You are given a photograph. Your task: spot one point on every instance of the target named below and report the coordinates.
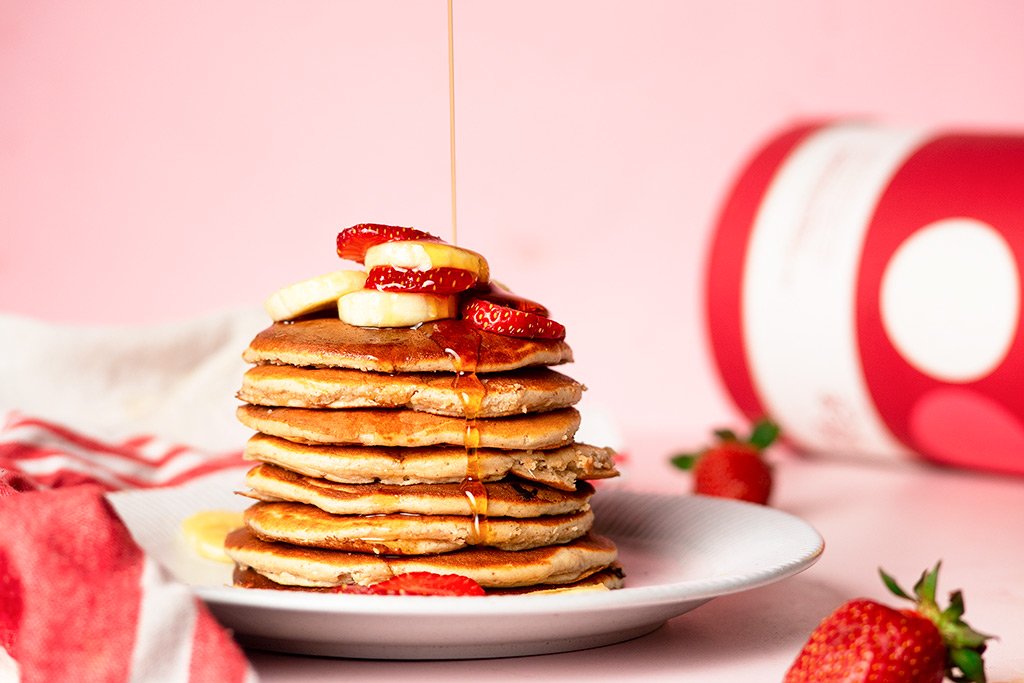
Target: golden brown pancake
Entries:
(328, 342)
(404, 534)
(408, 428)
(559, 468)
(610, 578)
(510, 497)
(529, 390)
(303, 566)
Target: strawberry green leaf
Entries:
(893, 587)
(926, 586)
(956, 606)
(970, 663)
(685, 461)
(764, 434)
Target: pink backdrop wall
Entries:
(163, 161)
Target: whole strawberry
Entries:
(732, 468)
(864, 640)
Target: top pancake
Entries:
(439, 346)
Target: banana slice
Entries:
(205, 532)
(314, 294)
(420, 255)
(373, 308)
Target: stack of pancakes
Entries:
(440, 448)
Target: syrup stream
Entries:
(463, 346)
(451, 116)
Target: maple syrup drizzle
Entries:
(451, 116)
(462, 344)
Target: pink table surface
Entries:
(901, 516)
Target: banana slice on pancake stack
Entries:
(410, 430)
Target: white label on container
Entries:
(800, 285)
(951, 299)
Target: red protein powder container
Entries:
(864, 291)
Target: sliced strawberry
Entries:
(492, 317)
(428, 583)
(442, 280)
(497, 294)
(353, 242)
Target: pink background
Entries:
(164, 161)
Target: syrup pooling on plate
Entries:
(462, 344)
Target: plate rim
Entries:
(628, 597)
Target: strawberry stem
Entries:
(725, 435)
(964, 645)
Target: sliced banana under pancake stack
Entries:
(401, 427)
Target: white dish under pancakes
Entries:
(679, 551)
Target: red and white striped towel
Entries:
(79, 600)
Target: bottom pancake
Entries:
(492, 568)
(405, 534)
(611, 578)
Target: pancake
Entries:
(606, 579)
(505, 498)
(303, 566)
(529, 390)
(403, 534)
(560, 468)
(328, 342)
(408, 428)
(610, 578)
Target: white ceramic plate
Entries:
(678, 552)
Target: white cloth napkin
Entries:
(89, 409)
(175, 381)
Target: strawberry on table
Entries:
(864, 640)
(511, 322)
(732, 468)
(353, 242)
(427, 583)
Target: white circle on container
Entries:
(951, 299)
